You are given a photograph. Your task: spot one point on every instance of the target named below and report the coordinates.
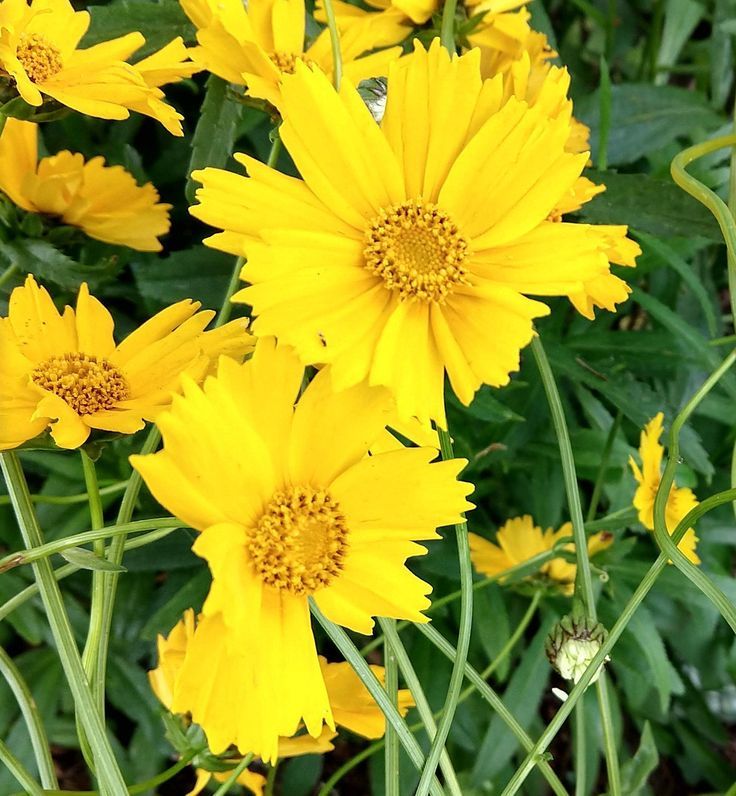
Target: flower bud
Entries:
(572, 644)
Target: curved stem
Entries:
(32, 718)
(334, 43)
(417, 692)
(111, 780)
(19, 771)
(63, 500)
(31, 554)
(463, 639)
(661, 534)
(10, 271)
(236, 772)
(351, 654)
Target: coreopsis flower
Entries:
(289, 508)
(256, 44)
(105, 202)
(170, 64)
(64, 372)
(519, 540)
(680, 500)
(409, 249)
(39, 57)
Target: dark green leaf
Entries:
(86, 559)
(635, 772)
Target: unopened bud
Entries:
(572, 644)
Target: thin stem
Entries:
(425, 711)
(236, 772)
(271, 779)
(447, 27)
(497, 705)
(463, 639)
(391, 774)
(164, 776)
(223, 316)
(347, 767)
(19, 771)
(9, 272)
(334, 43)
(63, 500)
(580, 753)
(32, 718)
(661, 534)
(31, 554)
(603, 468)
(69, 569)
(351, 654)
(111, 780)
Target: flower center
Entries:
(300, 541)
(417, 250)
(40, 59)
(86, 383)
(284, 62)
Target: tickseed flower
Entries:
(519, 539)
(256, 44)
(407, 248)
(289, 508)
(64, 372)
(39, 57)
(170, 64)
(572, 644)
(352, 705)
(680, 500)
(105, 202)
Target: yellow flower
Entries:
(519, 539)
(503, 35)
(289, 507)
(352, 705)
(680, 500)
(63, 372)
(407, 248)
(105, 202)
(38, 52)
(170, 64)
(258, 44)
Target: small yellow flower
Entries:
(105, 202)
(290, 507)
(409, 249)
(256, 44)
(39, 55)
(519, 540)
(680, 500)
(64, 372)
(352, 705)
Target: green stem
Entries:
(31, 554)
(32, 718)
(661, 534)
(496, 704)
(425, 711)
(392, 774)
(351, 654)
(223, 316)
(19, 771)
(347, 767)
(463, 639)
(236, 772)
(580, 753)
(10, 271)
(334, 43)
(447, 26)
(63, 500)
(583, 578)
(69, 569)
(271, 779)
(603, 468)
(111, 780)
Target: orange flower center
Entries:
(86, 383)
(284, 62)
(40, 59)
(417, 250)
(300, 541)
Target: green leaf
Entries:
(159, 22)
(635, 772)
(646, 118)
(86, 559)
(680, 20)
(191, 594)
(650, 205)
(214, 138)
(198, 273)
(48, 263)
(486, 407)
